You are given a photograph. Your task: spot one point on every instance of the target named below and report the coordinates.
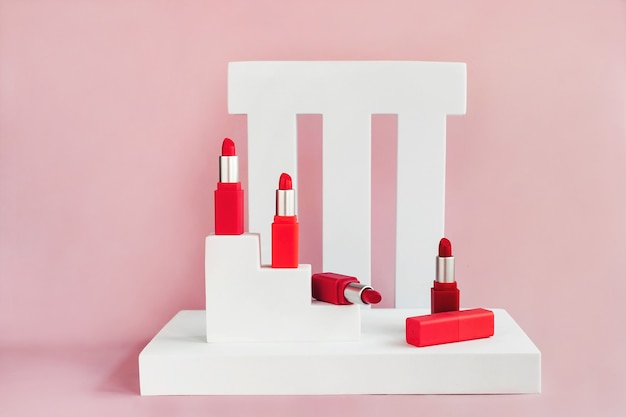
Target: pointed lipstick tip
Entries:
(284, 183)
(228, 147)
(371, 296)
(445, 248)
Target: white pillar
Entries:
(346, 194)
(420, 204)
(346, 93)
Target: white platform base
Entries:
(247, 302)
(179, 361)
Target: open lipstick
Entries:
(285, 229)
(444, 296)
(342, 289)
(229, 195)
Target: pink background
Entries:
(111, 116)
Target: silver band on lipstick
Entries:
(286, 202)
(353, 292)
(445, 269)
(229, 168)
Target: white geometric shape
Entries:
(346, 93)
(247, 302)
(272, 150)
(421, 172)
(178, 361)
(346, 198)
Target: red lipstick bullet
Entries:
(342, 289)
(285, 229)
(229, 195)
(444, 296)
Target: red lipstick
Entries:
(285, 229)
(342, 289)
(449, 327)
(444, 296)
(229, 195)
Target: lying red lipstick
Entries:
(229, 195)
(285, 229)
(444, 296)
(342, 289)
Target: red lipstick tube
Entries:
(444, 296)
(229, 195)
(449, 327)
(285, 229)
(342, 289)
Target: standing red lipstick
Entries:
(444, 296)
(229, 195)
(285, 229)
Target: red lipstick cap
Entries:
(449, 327)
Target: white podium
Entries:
(247, 302)
(261, 333)
(178, 361)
